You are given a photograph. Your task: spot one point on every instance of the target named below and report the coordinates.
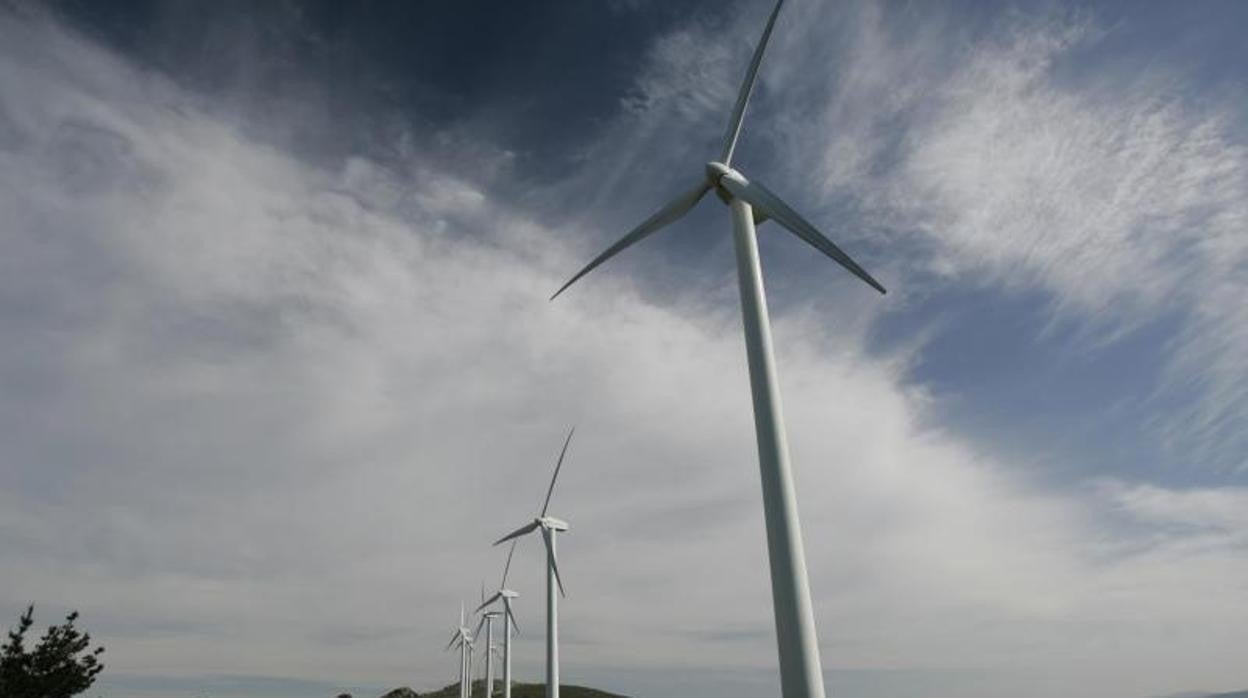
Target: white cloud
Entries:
(262, 406)
(1116, 193)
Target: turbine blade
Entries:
(488, 601)
(507, 567)
(515, 626)
(479, 624)
(670, 213)
(558, 579)
(762, 198)
(743, 98)
(451, 644)
(554, 565)
(558, 465)
(523, 530)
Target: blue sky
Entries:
(280, 363)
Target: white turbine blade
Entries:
(477, 631)
(760, 197)
(670, 213)
(554, 565)
(454, 638)
(514, 625)
(488, 601)
(558, 578)
(507, 567)
(558, 465)
(743, 98)
(523, 530)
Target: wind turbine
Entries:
(487, 619)
(550, 527)
(751, 202)
(509, 620)
(462, 638)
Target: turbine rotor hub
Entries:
(717, 172)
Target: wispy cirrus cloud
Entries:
(1112, 190)
(1124, 200)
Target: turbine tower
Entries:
(487, 619)
(489, 650)
(550, 528)
(510, 626)
(462, 638)
(750, 203)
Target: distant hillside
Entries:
(518, 690)
(538, 690)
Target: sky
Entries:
(279, 362)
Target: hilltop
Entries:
(518, 690)
(538, 690)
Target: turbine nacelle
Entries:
(550, 523)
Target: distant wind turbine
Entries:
(509, 619)
(487, 619)
(751, 203)
(550, 527)
(489, 650)
(462, 638)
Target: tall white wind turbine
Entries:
(462, 638)
(487, 620)
(510, 626)
(550, 527)
(488, 650)
(750, 203)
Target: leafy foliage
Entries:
(60, 666)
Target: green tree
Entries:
(60, 666)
